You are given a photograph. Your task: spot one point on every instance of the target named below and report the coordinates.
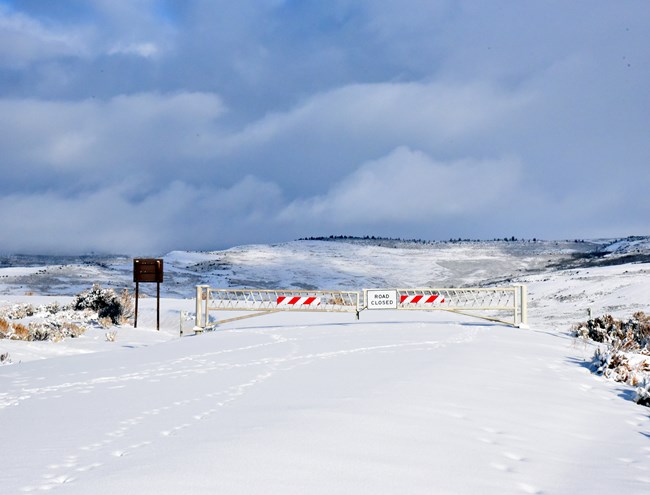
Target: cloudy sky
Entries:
(142, 126)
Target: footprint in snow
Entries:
(89, 467)
(500, 467)
(494, 431)
(167, 433)
(513, 457)
(52, 483)
(526, 488)
(138, 445)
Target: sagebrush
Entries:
(106, 303)
(631, 335)
(625, 353)
(54, 322)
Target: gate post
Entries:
(524, 306)
(521, 306)
(201, 321)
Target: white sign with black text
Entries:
(381, 299)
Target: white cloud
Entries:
(409, 187)
(107, 220)
(418, 112)
(325, 102)
(145, 130)
(24, 40)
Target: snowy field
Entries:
(397, 402)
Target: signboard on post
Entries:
(147, 270)
(381, 299)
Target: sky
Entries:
(144, 126)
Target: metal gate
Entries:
(269, 301)
(502, 304)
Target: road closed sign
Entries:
(381, 299)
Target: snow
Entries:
(628, 245)
(409, 402)
(302, 264)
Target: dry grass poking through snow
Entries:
(14, 331)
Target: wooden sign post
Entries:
(147, 270)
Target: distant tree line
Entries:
(363, 238)
(372, 238)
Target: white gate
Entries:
(269, 301)
(502, 304)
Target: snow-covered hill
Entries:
(323, 264)
(415, 402)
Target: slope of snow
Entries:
(629, 245)
(302, 264)
(415, 402)
(353, 266)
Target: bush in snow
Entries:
(44, 330)
(19, 332)
(19, 311)
(104, 301)
(4, 328)
(632, 335)
(105, 322)
(39, 331)
(52, 327)
(624, 357)
(5, 358)
(13, 331)
(52, 308)
(128, 309)
(619, 366)
(55, 331)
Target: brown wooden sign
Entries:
(147, 270)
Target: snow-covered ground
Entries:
(409, 402)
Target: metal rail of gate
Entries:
(269, 301)
(502, 304)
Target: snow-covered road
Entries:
(322, 404)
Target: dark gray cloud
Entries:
(150, 125)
